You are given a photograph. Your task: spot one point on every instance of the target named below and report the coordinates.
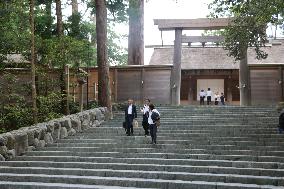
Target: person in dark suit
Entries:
(130, 115)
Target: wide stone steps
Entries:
(153, 167)
(43, 185)
(210, 177)
(198, 147)
(142, 159)
(128, 182)
(166, 155)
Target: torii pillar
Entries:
(178, 25)
(176, 70)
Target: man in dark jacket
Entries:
(130, 115)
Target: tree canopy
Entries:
(249, 22)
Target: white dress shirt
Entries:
(130, 109)
(202, 94)
(209, 93)
(145, 109)
(150, 121)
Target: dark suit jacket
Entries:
(134, 112)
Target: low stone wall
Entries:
(19, 141)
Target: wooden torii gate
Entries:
(199, 24)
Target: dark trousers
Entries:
(146, 128)
(208, 100)
(129, 124)
(153, 132)
(202, 100)
(280, 129)
(145, 124)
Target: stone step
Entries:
(170, 145)
(128, 182)
(140, 131)
(184, 176)
(204, 122)
(150, 149)
(243, 170)
(174, 141)
(180, 126)
(42, 185)
(161, 161)
(126, 158)
(186, 136)
(166, 155)
(189, 129)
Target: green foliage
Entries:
(14, 23)
(249, 22)
(15, 111)
(77, 47)
(57, 52)
(117, 10)
(93, 104)
(117, 55)
(74, 107)
(49, 107)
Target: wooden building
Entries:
(201, 67)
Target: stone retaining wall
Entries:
(19, 141)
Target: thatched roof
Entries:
(214, 57)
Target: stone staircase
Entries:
(197, 147)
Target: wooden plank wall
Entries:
(157, 86)
(264, 86)
(128, 85)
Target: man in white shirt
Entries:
(202, 95)
(130, 115)
(209, 96)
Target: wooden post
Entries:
(176, 70)
(280, 82)
(33, 59)
(142, 85)
(244, 80)
(115, 84)
(67, 89)
(229, 86)
(81, 97)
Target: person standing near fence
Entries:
(202, 95)
(209, 96)
(222, 99)
(154, 115)
(130, 115)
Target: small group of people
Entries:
(150, 120)
(218, 98)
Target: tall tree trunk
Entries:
(48, 5)
(104, 97)
(244, 79)
(65, 102)
(59, 18)
(32, 28)
(75, 9)
(75, 18)
(136, 33)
